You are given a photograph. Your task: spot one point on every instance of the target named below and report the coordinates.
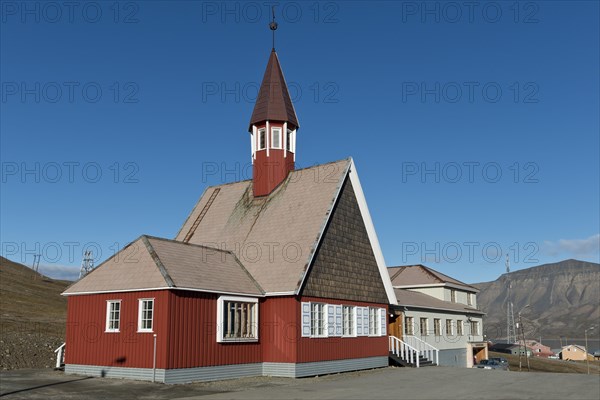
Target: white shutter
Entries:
(330, 320)
(383, 316)
(359, 330)
(338, 321)
(305, 319)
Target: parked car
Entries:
(492, 364)
(501, 360)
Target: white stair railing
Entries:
(425, 349)
(403, 351)
(60, 356)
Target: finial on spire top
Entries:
(273, 26)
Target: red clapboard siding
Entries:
(89, 344)
(279, 327)
(319, 349)
(193, 334)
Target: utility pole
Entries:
(511, 334)
(36, 264)
(523, 340)
(87, 265)
(587, 359)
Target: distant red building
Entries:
(279, 275)
(538, 349)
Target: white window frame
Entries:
(453, 295)
(449, 323)
(276, 130)
(460, 331)
(140, 314)
(409, 326)
(221, 320)
(374, 321)
(351, 323)
(108, 329)
(290, 140)
(314, 331)
(437, 327)
(261, 131)
(424, 332)
(469, 299)
(475, 324)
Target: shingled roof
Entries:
(276, 236)
(273, 102)
(420, 275)
(410, 298)
(155, 263)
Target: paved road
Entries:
(387, 383)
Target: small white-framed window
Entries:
(449, 328)
(409, 326)
(374, 327)
(459, 327)
(145, 315)
(437, 327)
(317, 320)
(348, 319)
(237, 319)
(276, 138)
(475, 328)
(453, 295)
(469, 299)
(113, 315)
(289, 143)
(262, 139)
(424, 326)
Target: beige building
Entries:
(573, 352)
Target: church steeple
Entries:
(273, 128)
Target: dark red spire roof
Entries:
(273, 102)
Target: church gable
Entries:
(345, 266)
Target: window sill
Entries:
(112, 331)
(238, 340)
(145, 331)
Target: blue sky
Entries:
(474, 129)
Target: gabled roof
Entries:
(273, 102)
(582, 348)
(504, 346)
(420, 275)
(276, 236)
(155, 263)
(410, 298)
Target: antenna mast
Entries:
(87, 265)
(511, 335)
(273, 26)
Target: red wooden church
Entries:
(279, 275)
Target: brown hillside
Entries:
(32, 316)
(563, 300)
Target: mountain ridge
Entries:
(562, 299)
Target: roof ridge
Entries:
(102, 263)
(187, 243)
(161, 267)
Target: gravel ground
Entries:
(27, 350)
(385, 383)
